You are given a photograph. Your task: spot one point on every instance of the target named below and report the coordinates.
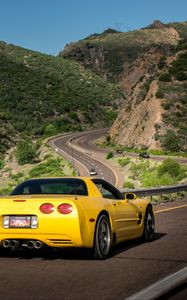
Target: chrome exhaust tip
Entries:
(38, 244)
(14, 244)
(6, 243)
(30, 244)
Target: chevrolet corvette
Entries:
(79, 212)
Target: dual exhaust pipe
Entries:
(28, 244)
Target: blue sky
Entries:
(48, 25)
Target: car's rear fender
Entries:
(89, 211)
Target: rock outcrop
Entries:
(143, 63)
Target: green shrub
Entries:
(162, 63)
(138, 169)
(159, 94)
(178, 114)
(25, 152)
(73, 115)
(168, 173)
(158, 151)
(53, 167)
(109, 155)
(179, 67)
(108, 138)
(110, 116)
(1, 164)
(47, 156)
(17, 176)
(50, 130)
(180, 75)
(151, 179)
(167, 105)
(124, 161)
(182, 45)
(171, 167)
(156, 137)
(166, 77)
(5, 191)
(128, 185)
(170, 141)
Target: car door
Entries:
(126, 214)
(126, 219)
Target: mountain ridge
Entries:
(38, 91)
(140, 73)
(137, 61)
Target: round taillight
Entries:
(47, 208)
(65, 208)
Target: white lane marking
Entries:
(161, 287)
(113, 171)
(75, 136)
(171, 208)
(72, 158)
(101, 162)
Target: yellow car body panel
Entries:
(76, 229)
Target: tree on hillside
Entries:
(25, 152)
(171, 141)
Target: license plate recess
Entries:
(19, 221)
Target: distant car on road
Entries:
(143, 155)
(93, 172)
(119, 151)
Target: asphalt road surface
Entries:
(72, 147)
(86, 141)
(81, 151)
(67, 275)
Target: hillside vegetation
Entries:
(135, 80)
(150, 65)
(44, 95)
(49, 164)
(106, 53)
(181, 28)
(173, 89)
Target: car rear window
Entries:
(60, 186)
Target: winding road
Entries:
(78, 149)
(133, 266)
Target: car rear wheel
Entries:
(102, 242)
(149, 225)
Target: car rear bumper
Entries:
(51, 240)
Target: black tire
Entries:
(149, 225)
(102, 240)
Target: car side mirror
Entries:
(130, 196)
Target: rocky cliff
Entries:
(146, 64)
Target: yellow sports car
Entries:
(73, 212)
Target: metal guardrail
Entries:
(159, 190)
